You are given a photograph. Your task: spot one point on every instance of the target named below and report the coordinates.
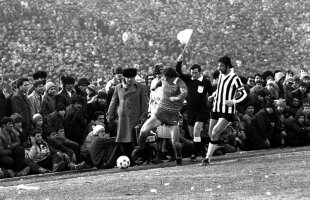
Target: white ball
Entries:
(123, 162)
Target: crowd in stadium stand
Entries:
(47, 47)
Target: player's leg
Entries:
(215, 134)
(175, 138)
(150, 124)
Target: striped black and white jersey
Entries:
(229, 87)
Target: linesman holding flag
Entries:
(229, 92)
(199, 89)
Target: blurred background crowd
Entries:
(91, 37)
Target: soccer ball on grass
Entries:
(123, 162)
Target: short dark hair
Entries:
(196, 66)
(21, 81)
(170, 72)
(5, 120)
(96, 115)
(39, 74)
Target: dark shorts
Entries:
(217, 115)
(194, 117)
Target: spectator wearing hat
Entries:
(305, 78)
(281, 118)
(75, 121)
(35, 98)
(49, 101)
(64, 96)
(21, 105)
(129, 105)
(298, 131)
(39, 75)
(37, 123)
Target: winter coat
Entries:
(259, 130)
(63, 97)
(53, 122)
(21, 105)
(74, 124)
(129, 105)
(48, 105)
(2, 105)
(35, 102)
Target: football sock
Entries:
(211, 148)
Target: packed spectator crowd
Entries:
(78, 46)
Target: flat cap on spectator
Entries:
(38, 82)
(83, 82)
(226, 61)
(129, 72)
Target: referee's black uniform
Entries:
(197, 96)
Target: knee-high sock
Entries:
(197, 146)
(211, 148)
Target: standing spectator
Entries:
(74, 120)
(39, 75)
(64, 96)
(20, 103)
(8, 99)
(2, 99)
(35, 98)
(118, 75)
(11, 152)
(49, 102)
(199, 89)
(129, 105)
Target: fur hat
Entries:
(226, 61)
(48, 86)
(129, 72)
(36, 117)
(97, 129)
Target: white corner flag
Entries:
(184, 36)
